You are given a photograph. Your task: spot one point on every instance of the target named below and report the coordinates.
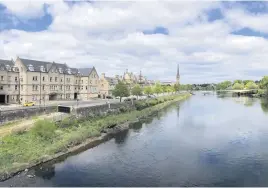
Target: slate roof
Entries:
(112, 81)
(7, 65)
(47, 65)
(85, 71)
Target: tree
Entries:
(223, 85)
(121, 90)
(238, 86)
(170, 89)
(247, 81)
(157, 88)
(176, 87)
(148, 90)
(238, 81)
(264, 83)
(251, 85)
(136, 90)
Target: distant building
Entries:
(178, 74)
(107, 85)
(131, 79)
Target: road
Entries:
(65, 103)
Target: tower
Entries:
(178, 74)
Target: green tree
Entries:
(251, 85)
(223, 85)
(170, 89)
(137, 90)
(238, 86)
(238, 81)
(247, 81)
(264, 83)
(121, 90)
(148, 90)
(157, 89)
(176, 87)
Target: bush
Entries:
(44, 129)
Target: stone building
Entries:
(107, 85)
(9, 82)
(131, 79)
(42, 81)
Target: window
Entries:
(8, 85)
(50, 79)
(21, 87)
(33, 88)
(2, 78)
(61, 80)
(16, 87)
(86, 87)
(56, 79)
(16, 79)
(43, 78)
(60, 87)
(1, 87)
(90, 81)
(43, 87)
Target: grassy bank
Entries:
(47, 140)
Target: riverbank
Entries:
(47, 140)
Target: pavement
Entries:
(56, 103)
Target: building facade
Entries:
(9, 82)
(107, 85)
(25, 80)
(131, 79)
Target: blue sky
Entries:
(212, 41)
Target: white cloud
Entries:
(109, 36)
(25, 9)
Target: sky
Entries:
(212, 41)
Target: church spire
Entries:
(178, 74)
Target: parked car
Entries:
(134, 98)
(127, 99)
(109, 97)
(28, 104)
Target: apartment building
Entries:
(42, 81)
(9, 82)
(107, 85)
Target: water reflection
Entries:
(45, 171)
(264, 105)
(206, 141)
(121, 136)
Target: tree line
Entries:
(123, 90)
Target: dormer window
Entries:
(8, 67)
(42, 68)
(56, 70)
(69, 71)
(30, 67)
(60, 70)
(52, 70)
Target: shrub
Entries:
(44, 129)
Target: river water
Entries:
(204, 141)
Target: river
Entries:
(203, 141)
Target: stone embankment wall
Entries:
(90, 111)
(26, 113)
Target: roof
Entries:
(36, 66)
(85, 71)
(8, 65)
(111, 80)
